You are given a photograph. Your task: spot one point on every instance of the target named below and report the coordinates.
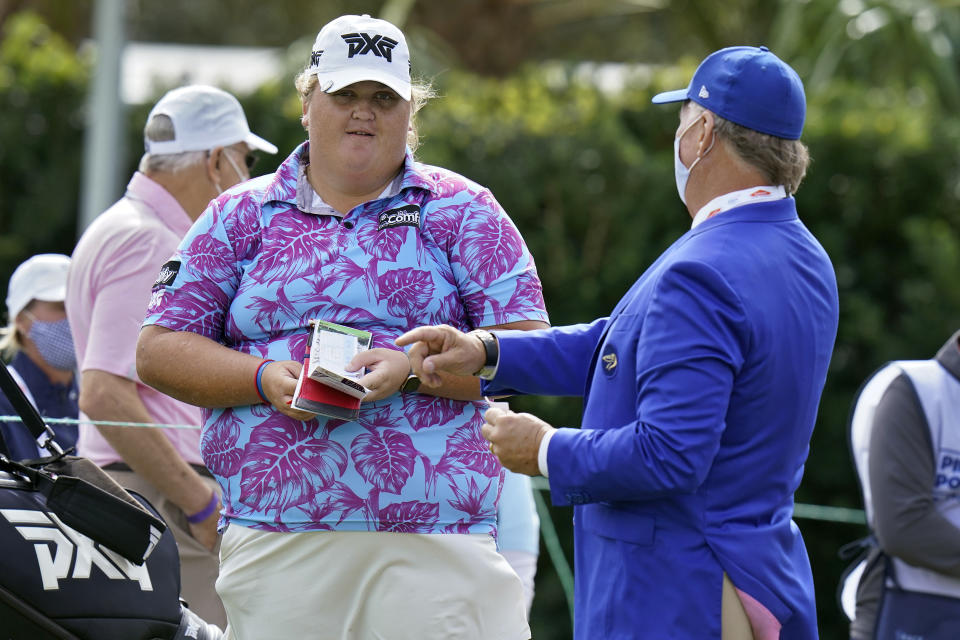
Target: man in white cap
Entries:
(197, 144)
(38, 345)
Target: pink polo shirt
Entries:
(113, 269)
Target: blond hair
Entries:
(10, 340)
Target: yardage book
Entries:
(324, 386)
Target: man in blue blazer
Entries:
(700, 389)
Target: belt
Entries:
(122, 466)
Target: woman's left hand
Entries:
(388, 370)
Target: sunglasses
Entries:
(250, 159)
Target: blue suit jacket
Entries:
(701, 392)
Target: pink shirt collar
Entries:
(152, 195)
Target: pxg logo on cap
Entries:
(356, 48)
(361, 43)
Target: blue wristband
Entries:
(202, 515)
(263, 365)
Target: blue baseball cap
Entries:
(749, 86)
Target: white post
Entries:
(103, 151)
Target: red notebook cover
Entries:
(317, 397)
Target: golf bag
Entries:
(80, 557)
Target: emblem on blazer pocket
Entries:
(609, 359)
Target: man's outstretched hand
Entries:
(442, 348)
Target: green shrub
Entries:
(43, 85)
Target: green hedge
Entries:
(588, 178)
(43, 85)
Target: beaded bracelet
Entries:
(204, 513)
(259, 378)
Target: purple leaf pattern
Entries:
(371, 506)
(409, 517)
(226, 497)
(493, 247)
(450, 312)
(344, 501)
(219, 444)
(450, 186)
(261, 411)
(268, 309)
(445, 225)
(296, 243)
(467, 450)
(477, 303)
(247, 229)
(297, 345)
(259, 350)
(429, 476)
(377, 419)
(459, 527)
(286, 465)
(317, 512)
(211, 257)
(383, 338)
(198, 305)
(447, 468)
(256, 269)
(474, 501)
(384, 244)
(345, 272)
(385, 458)
(423, 411)
(528, 295)
(332, 424)
(326, 308)
(406, 290)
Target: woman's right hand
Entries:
(387, 371)
(279, 380)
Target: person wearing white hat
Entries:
(378, 527)
(39, 348)
(197, 144)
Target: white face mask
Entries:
(681, 173)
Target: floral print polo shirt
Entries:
(256, 268)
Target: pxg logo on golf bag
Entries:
(55, 546)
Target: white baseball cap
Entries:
(42, 277)
(355, 48)
(203, 117)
